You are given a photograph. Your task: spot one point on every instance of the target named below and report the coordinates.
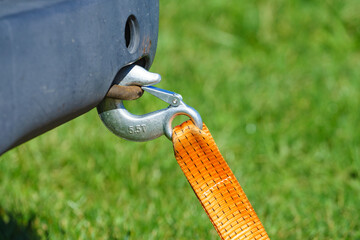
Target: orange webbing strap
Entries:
(215, 185)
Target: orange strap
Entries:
(214, 184)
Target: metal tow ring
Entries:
(151, 125)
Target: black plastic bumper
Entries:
(58, 58)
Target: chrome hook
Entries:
(151, 125)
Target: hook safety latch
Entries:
(151, 125)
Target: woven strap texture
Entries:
(214, 184)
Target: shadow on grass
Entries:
(14, 227)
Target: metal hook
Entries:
(151, 125)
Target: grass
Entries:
(277, 83)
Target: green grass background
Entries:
(278, 84)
